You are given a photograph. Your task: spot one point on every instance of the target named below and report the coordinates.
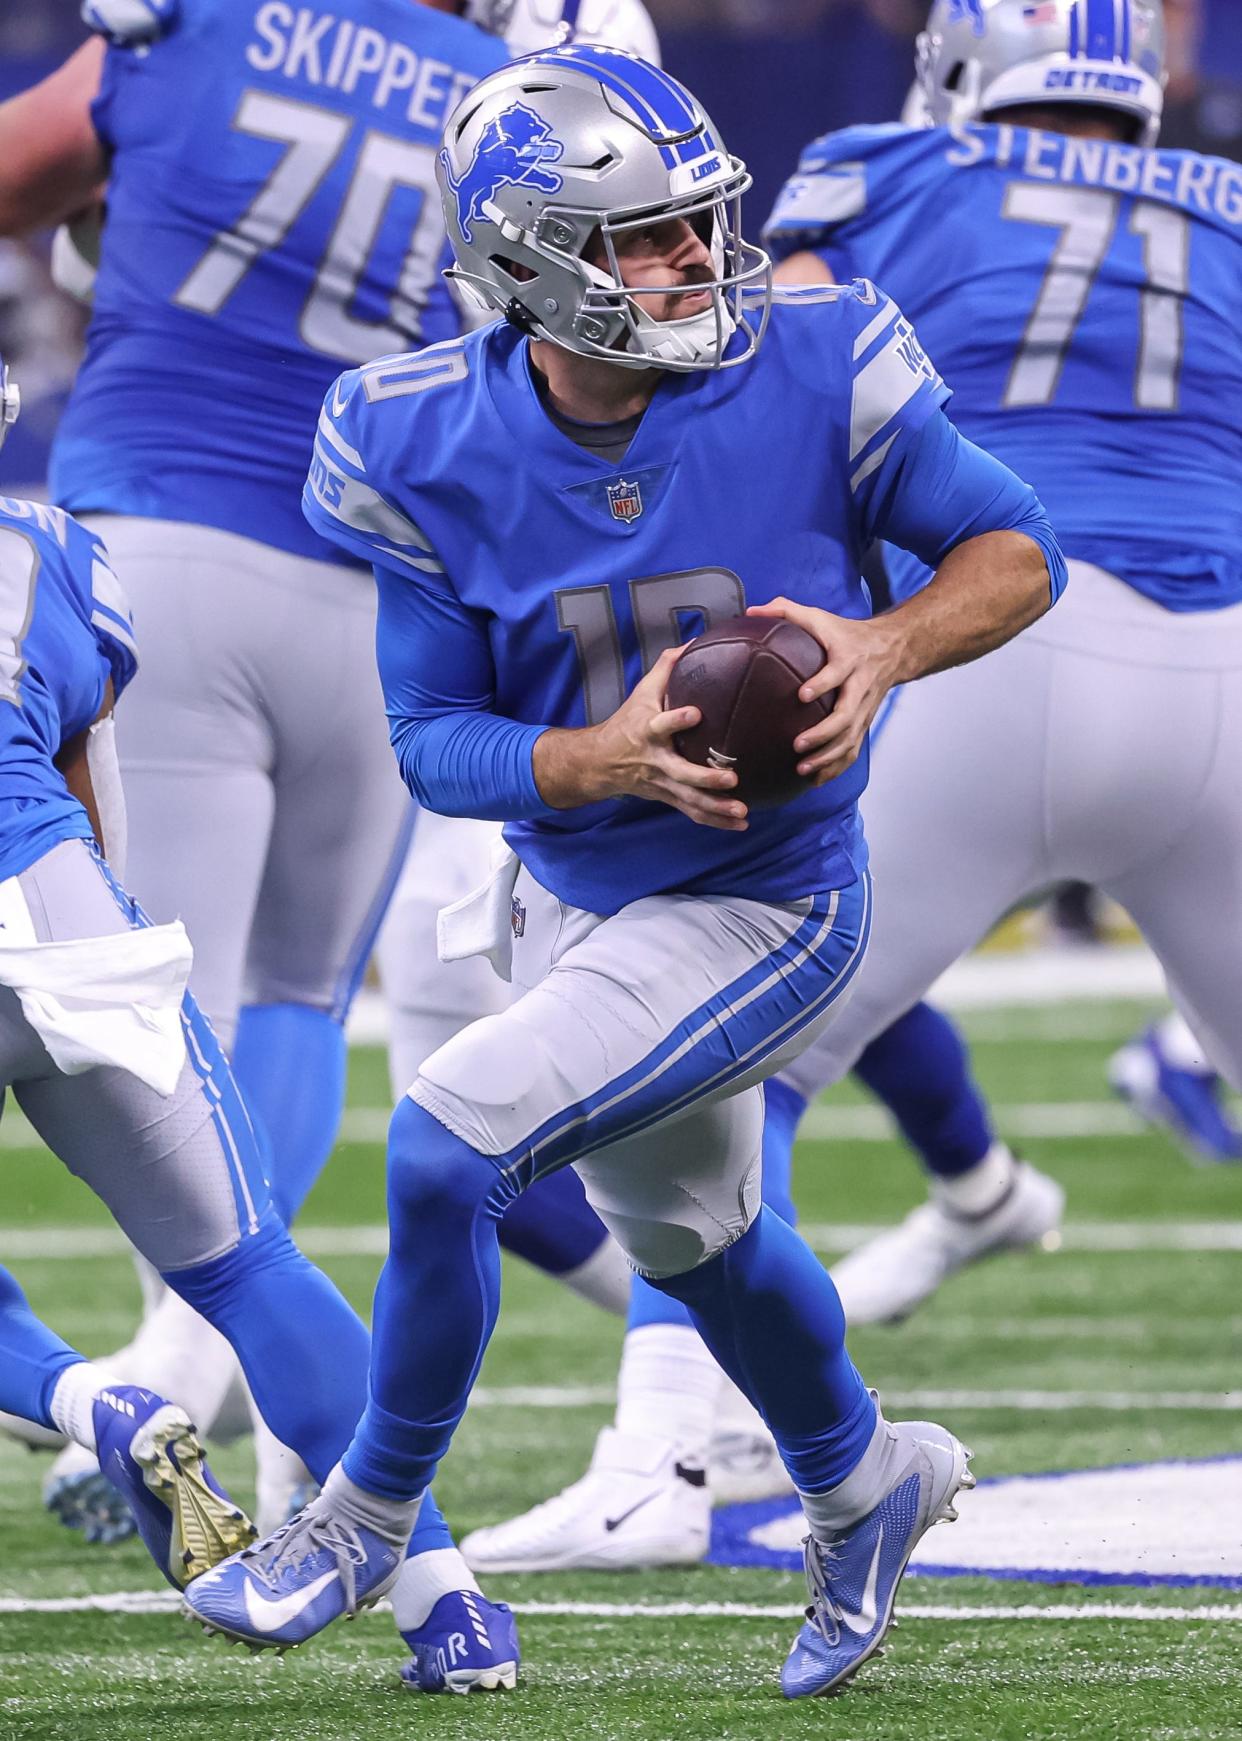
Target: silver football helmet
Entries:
(10, 401)
(529, 25)
(579, 142)
(978, 58)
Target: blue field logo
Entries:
(967, 12)
(512, 150)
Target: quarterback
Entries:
(645, 442)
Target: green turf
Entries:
(1073, 1321)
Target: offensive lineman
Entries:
(513, 594)
(1079, 285)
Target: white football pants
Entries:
(1104, 744)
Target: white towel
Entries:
(105, 1000)
(481, 923)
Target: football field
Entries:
(1080, 1609)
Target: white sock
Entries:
(736, 1413)
(861, 1491)
(1179, 1046)
(393, 1519)
(278, 1471)
(180, 1355)
(981, 1188)
(423, 1580)
(604, 1279)
(73, 1400)
(667, 1389)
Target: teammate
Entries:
(530, 566)
(124, 1080)
(1037, 212)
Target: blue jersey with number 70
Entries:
(272, 217)
(1082, 298)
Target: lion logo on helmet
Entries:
(512, 150)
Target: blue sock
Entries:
(767, 1309)
(782, 1112)
(552, 1225)
(32, 1357)
(303, 1348)
(435, 1305)
(289, 1061)
(919, 1068)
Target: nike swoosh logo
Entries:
(267, 1616)
(864, 1620)
(611, 1523)
(338, 404)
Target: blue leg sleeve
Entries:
(552, 1225)
(782, 1109)
(919, 1068)
(32, 1357)
(435, 1305)
(289, 1061)
(303, 1349)
(767, 1309)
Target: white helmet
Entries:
(979, 57)
(529, 25)
(549, 152)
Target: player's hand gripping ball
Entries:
(744, 675)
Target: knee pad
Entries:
(433, 1172)
(494, 1083)
(680, 1194)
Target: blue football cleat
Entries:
(853, 1580)
(467, 1644)
(1184, 1102)
(286, 1588)
(149, 1451)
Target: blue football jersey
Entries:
(64, 630)
(738, 485)
(272, 218)
(1081, 298)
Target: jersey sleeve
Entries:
(109, 608)
(349, 493)
(833, 188)
(894, 389)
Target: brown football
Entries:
(744, 675)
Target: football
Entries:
(744, 675)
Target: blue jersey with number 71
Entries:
(1082, 299)
(272, 216)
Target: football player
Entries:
(548, 505)
(271, 214)
(118, 1072)
(1076, 280)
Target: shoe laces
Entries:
(819, 1560)
(290, 1547)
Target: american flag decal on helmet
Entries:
(625, 500)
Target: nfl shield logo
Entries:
(625, 500)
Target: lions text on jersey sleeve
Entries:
(272, 217)
(64, 630)
(576, 574)
(1081, 296)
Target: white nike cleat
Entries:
(882, 1281)
(637, 1505)
(744, 1467)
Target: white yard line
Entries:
(370, 1239)
(165, 1601)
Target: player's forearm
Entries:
(470, 764)
(984, 593)
(51, 159)
(568, 769)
